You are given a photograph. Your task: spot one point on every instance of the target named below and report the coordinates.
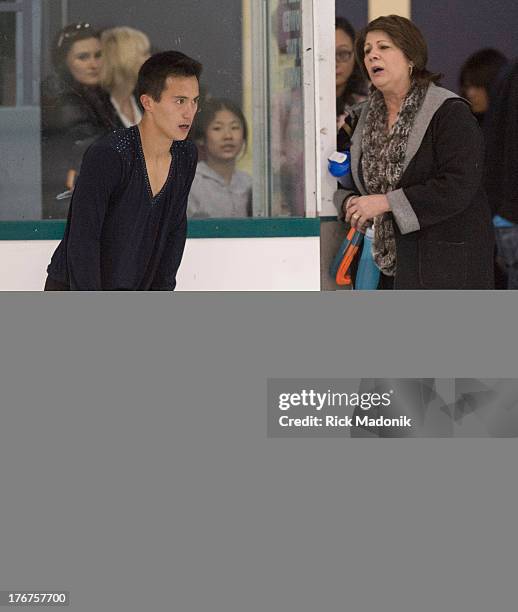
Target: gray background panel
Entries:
(136, 472)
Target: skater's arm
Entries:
(100, 174)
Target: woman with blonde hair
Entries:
(124, 51)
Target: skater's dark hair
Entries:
(159, 67)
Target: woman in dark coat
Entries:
(417, 163)
(75, 111)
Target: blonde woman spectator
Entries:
(125, 50)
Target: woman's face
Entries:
(224, 138)
(387, 65)
(84, 61)
(478, 98)
(344, 58)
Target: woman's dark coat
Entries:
(442, 220)
(72, 117)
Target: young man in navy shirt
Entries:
(127, 222)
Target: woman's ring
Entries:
(356, 215)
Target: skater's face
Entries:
(84, 60)
(224, 138)
(174, 113)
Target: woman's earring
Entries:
(411, 68)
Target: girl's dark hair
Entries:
(481, 69)
(407, 37)
(63, 42)
(155, 71)
(208, 111)
(356, 82)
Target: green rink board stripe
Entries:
(253, 228)
(197, 228)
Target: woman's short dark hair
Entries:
(208, 111)
(407, 37)
(481, 69)
(356, 82)
(155, 71)
(65, 39)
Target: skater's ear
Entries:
(147, 102)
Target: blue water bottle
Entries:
(339, 165)
(368, 275)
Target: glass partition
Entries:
(286, 125)
(7, 59)
(249, 131)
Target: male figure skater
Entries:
(127, 223)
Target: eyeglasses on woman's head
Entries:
(71, 31)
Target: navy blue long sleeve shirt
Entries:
(118, 236)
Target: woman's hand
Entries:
(361, 209)
(71, 179)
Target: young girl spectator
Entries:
(219, 189)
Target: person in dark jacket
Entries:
(501, 174)
(417, 165)
(477, 77)
(75, 111)
(127, 223)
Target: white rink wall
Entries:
(209, 264)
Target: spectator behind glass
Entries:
(350, 83)
(124, 52)
(219, 189)
(75, 111)
(477, 77)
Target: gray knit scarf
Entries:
(383, 155)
